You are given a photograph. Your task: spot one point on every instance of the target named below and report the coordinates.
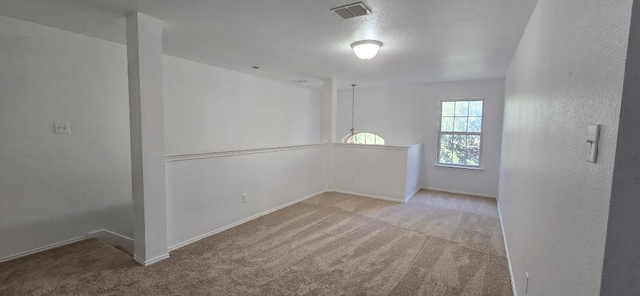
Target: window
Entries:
(363, 138)
(460, 132)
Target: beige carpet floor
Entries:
(331, 244)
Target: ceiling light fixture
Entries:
(366, 49)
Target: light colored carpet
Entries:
(331, 244)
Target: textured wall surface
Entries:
(204, 195)
(55, 187)
(408, 114)
(370, 169)
(622, 261)
(567, 74)
(212, 109)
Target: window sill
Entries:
(458, 167)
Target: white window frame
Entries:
(440, 133)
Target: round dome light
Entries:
(366, 49)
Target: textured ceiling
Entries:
(424, 40)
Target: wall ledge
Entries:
(364, 146)
(226, 153)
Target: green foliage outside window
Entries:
(460, 132)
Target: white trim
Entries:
(452, 166)
(369, 195)
(113, 239)
(44, 248)
(221, 229)
(506, 249)
(214, 154)
(440, 132)
(406, 199)
(460, 192)
(151, 261)
(367, 146)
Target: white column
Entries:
(329, 113)
(146, 111)
(329, 109)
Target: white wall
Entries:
(213, 109)
(566, 75)
(620, 272)
(408, 114)
(55, 187)
(370, 170)
(204, 195)
(414, 162)
(209, 109)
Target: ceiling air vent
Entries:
(352, 10)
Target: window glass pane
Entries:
(445, 141)
(448, 108)
(459, 149)
(447, 124)
(460, 124)
(363, 138)
(462, 108)
(473, 150)
(475, 108)
(370, 138)
(446, 144)
(475, 124)
(445, 156)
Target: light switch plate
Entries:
(593, 136)
(62, 127)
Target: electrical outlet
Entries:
(62, 127)
(526, 284)
(244, 198)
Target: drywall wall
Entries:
(370, 170)
(414, 161)
(259, 137)
(566, 75)
(204, 195)
(56, 187)
(213, 109)
(408, 114)
(621, 261)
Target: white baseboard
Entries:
(114, 239)
(221, 229)
(369, 195)
(406, 199)
(506, 249)
(151, 261)
(43, 248)
(461, 192)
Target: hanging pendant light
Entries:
(352, 138)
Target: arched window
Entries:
(363, 138)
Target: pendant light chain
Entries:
(353, 108)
